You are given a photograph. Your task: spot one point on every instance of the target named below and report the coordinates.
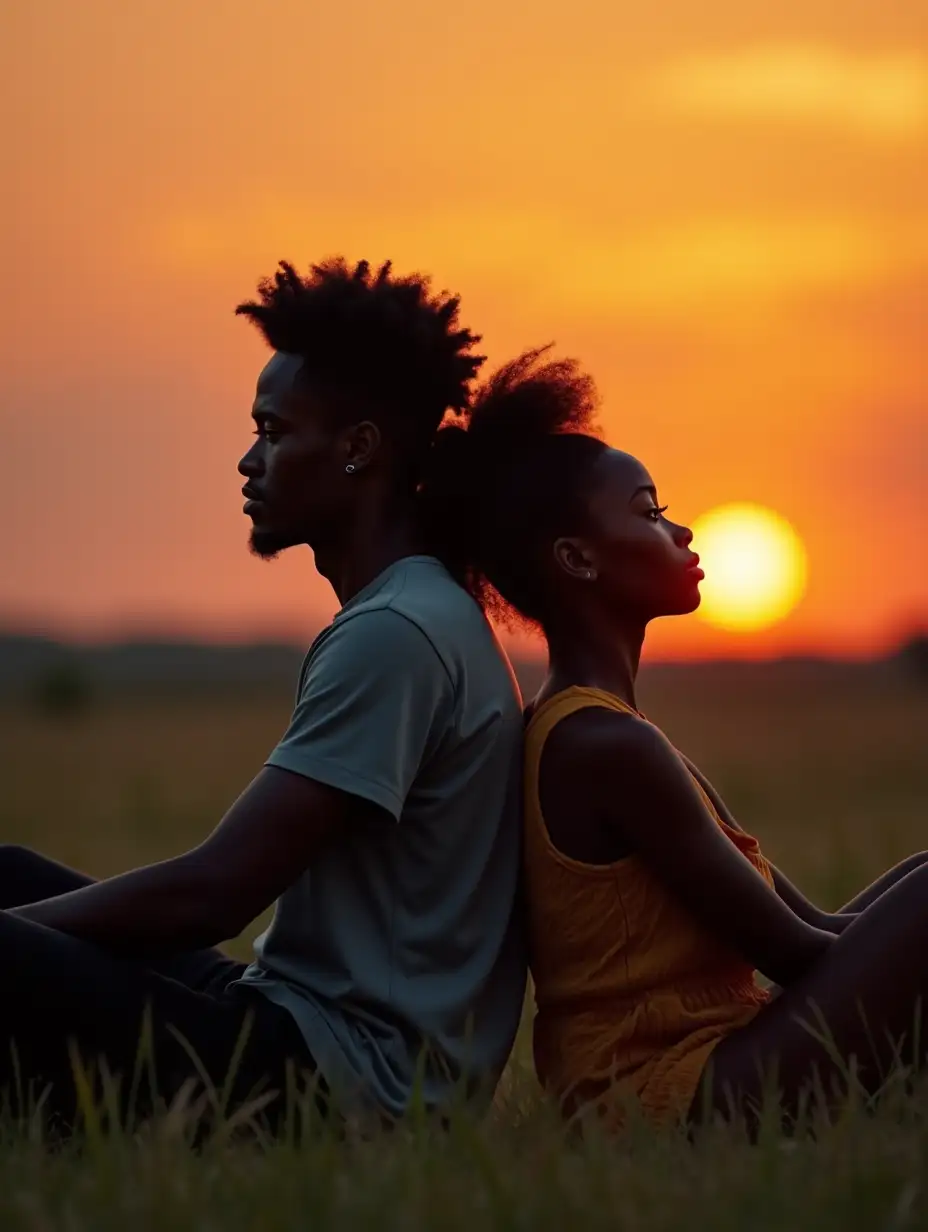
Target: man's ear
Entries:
(575, 558)
(361, 444)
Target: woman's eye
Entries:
(655, 514)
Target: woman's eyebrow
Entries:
(645, 487)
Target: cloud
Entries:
(734, 260)
(548, 263)
(883, 96)
(696, 268)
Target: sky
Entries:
(720, 208)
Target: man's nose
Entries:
(251, 464)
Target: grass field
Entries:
(828, 768)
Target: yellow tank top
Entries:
(632, 993)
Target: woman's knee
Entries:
(911, 863)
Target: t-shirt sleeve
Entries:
(374, 702)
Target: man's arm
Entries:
(790, 894)
(372, 699)
(262, 845)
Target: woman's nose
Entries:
(684, 536)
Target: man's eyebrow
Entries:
(645, 487)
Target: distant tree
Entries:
(913, 658)
(62, 690)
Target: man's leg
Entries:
(27, 877)
(64, 997)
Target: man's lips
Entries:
(252, 497)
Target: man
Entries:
(385, 823)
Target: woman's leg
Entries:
(62, 994)
(867, 992)
(879, 887)
(27, 877)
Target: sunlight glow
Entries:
(882, 95)
(755, 566)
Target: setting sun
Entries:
(755, 566)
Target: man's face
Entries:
(296, 482)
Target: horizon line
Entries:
(519, 646)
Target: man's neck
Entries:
(372, 543)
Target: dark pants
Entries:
(143, 1022)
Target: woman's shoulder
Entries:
(607, 756)
(553, 707)
(583, 727)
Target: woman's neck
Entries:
(595, 653)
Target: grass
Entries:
(827, 770)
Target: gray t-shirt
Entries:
(399, 951)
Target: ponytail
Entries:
(494, 490)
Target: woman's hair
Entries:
(380, 343)
(502, 486)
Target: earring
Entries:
(589, 575)
(350, 468)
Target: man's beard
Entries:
(267, 543)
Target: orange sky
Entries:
(720, 208)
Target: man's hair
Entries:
(378, 345)
(498, 493)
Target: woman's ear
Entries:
(575, 559)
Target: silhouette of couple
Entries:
(424, 839)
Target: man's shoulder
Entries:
(449, 617)
(376, 632)
(421, 592)
(395, 625)
(426, 593)
(437, 612)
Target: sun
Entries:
(755, 566)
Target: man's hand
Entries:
(263, 844)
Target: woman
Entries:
(651, 911)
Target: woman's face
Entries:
(637, 559)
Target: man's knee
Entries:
(19, 861)
(26, 876)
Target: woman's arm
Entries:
(631, 774)
(790, 894)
